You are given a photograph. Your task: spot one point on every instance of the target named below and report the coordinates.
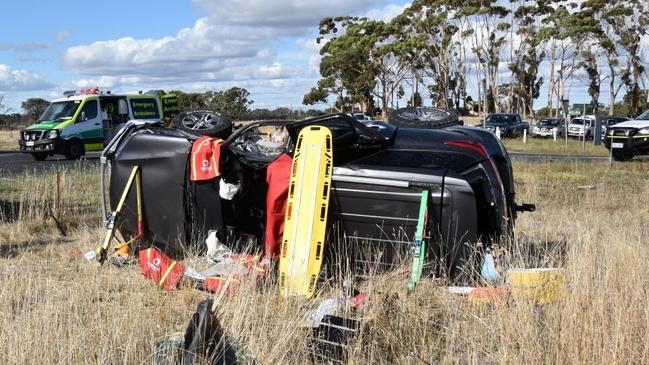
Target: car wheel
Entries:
(622, 156)
(199, 123)
(39, 156)
(73, 149)
(422, 117)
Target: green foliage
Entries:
(233, 102)
(33, 108)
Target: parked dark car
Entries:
(379, 174)
(510, 124)
(611, 121)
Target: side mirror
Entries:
(82, 117)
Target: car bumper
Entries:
(628, 143)
(544, 133)
(42, 146)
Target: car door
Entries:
(88, 126)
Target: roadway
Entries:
(12, 163)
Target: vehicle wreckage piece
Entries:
(306, 213)
(379, 172)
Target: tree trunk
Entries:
(611, 109)
(552, 83)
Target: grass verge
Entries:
(9, 140)
(56, 308)
(549, 147)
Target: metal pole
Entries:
(524, 135)
(57, 204)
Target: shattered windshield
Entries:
(60, 110)
(643, 116)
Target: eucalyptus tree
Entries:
(490, 30)
(627, 23)
(435, 43)
(565, 30)
(526, 46)
(346, 69)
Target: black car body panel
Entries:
(162, 155)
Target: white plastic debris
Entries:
(216, 251)
(227, 191)
(326, 307)
(488, 271)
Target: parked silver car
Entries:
(548, 127)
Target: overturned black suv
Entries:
(379, 174)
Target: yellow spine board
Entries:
(306, 213)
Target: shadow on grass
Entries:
(9, 210)
(12, 249)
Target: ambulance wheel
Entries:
(199, 123)
(73, 149)
(39, 156)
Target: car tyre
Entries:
(198, 123)
(422, 117)
(73, 149)
(39, 156)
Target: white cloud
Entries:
(387, 13)
(192, 52)
(283, 13)
(231, 44)
(20, 80)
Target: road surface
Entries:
(16, 162)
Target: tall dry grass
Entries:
(591, 218)
(9, 139)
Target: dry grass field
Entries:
(9, 140)
(549, 147)
(591, 218)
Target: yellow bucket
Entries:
(542, 285)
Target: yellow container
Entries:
(541, 285)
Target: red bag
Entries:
(160, 268)
(206, 154)
(215, 284)
(278, 177)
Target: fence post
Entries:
(57, 202)
(524, 135)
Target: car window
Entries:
(89, 111)
(501, 119)
(145, 108)
(643, 116)
(577, 121)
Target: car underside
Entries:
(379, 173)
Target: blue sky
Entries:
(193, 45)
(265, 46)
